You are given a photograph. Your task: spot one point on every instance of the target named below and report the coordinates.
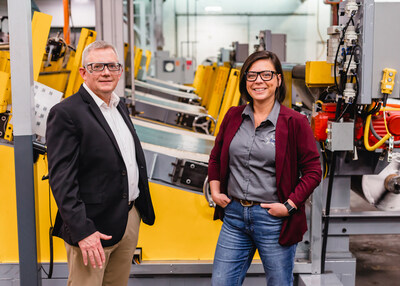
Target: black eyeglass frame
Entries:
(104, 66)
(259, 74)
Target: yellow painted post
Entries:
(288, 81)
(5, 61)
(9, 129)
(75, 80)
(208, 82)
(126, 49)
(214, 103)
(148, 60)
(41, 24)
(138, 59)
(5, 91)
(198, 78)
(231, 97)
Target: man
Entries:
(97, 174)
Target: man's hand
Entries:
(91, 246)
(221, 199)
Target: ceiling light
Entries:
(213, 8)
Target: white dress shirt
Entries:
(124, 139)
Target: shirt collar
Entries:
(113, 101)
(272, 117)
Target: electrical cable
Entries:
(338, 49)
(377, 136)
(51, 246)
(327, 212)
(343, 112)
(325, 159)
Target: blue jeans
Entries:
(244, 230)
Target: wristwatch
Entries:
(290, 208)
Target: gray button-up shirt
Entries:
(252, 158)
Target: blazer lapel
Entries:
(99, 116)
(281, 137)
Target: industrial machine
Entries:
(354, 103)
(178, 70)
(269, 41)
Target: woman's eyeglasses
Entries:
(265, 75)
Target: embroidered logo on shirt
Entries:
(270, 139)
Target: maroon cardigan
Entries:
(298, 169)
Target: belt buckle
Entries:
(245, 203)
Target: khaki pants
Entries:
(115, 271)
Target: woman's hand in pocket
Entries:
(276, 209)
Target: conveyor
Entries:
(174, 156)
(170, 85)
(173, 112)
(166, 92)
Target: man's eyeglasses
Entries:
(265, 75)
(99, 67)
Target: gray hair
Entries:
(97, 45)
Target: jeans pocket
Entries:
(275, 217)
(228, 205)
(272, 216)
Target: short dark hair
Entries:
(280, 92)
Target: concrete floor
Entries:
(378, 256)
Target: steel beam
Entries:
(19, 13)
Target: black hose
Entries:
(327, 212)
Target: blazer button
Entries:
(123, 173)
(124, 195)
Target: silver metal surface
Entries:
(21, 63)
(340, 136)
(131, 37)
(373, 187)
(169, 84)
(110, 27)
(175, 142)
(367, 222)
(319, 279)
(146, 98)
(380, 48)
(165, 92)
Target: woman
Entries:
(262, 169)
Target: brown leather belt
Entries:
(246, 203)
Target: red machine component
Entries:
(319, 124)
(319, 121)
(378, 123)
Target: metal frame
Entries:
(110, 27)
(19, 13)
